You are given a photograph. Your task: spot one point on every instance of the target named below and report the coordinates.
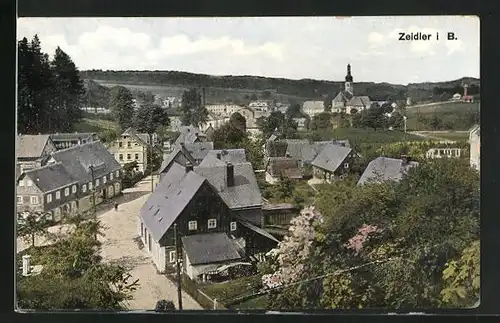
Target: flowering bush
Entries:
(356, 242)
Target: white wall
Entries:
(475, 148)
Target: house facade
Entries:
(333, 163)
(132, 147)
(207, 206)
(475, 147)
(70, 180)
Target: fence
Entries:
(193, 290)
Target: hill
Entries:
(225, 88)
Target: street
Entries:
(119, 246)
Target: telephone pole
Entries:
(151, 160)
(178, 265)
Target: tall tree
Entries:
(322, 120)
(193, 111)
(122, 106)
(149, 117)
(277, 120)
(294, 111)
(238, 121)
(31, 224)
(68, 88)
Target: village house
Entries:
(70, 180)
(32, 151)
(475, 147)
(214, 121)
(211, 207)
(386, 169)
(443, 152)
(283, 166)
(222, 110)
(313, 108)
(66, 140)
(261, 105)
(132, 146)
(333, 162)
(345, 101)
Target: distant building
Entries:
(475, 146)
(312, 108)
(261, 105)
(66, 140)
(443, 153)
(456, 97)
(224, 110)
(214, 121)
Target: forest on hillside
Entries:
(307, 89)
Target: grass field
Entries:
(257, 303)
(95, 125)
(449, 135)
(442, 108)
(227, 291)
(361, 135)
(453, 116)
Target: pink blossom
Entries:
(356, 242)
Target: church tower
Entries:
(348, 81)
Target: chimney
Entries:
(230, 174)
(405, 159)
(26, 265)
(189, 167)
(219, 156)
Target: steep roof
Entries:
(71, 136)
(198, 150)
(303, 150)
(383, 169)
(359, 101)
(188, 135)
(209, 248)
(31, 146)
(142, 138)
(169, 199)
(51, 177)
(331, 157)
(290, 167)
(342, 97)
(237, 155)
(77, 160)
(169, 159)
(245, 192)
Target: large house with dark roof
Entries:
(70, 180)
(333, 162)
(216, 208)
(383, 169)
(32, 151)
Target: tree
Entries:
(149, 117)
(164, 306)
(320, 121)
(193, 112)
(277, 120)
(122, 106)
(30, 224)
(238, 121)
(396, 120)
(285, 187)
(69, 90)
(294, 111)
(327, 103)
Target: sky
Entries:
(286, 47)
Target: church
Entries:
(346, 101)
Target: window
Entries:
(19, 200)
(117, 173)
(49, 198)
(136, 156)
(90, 185)
(84, 188)
(66, 191)
(21, 182)
(34, 200)
(346, 165)
(73, 189)
(120, 144)
(29, 182)
(172, 255)
(129, 157)
(233, 226)
(104, 179)
(120, 156)
(111, 176)
(129, 144)
(192, 225)
(212, 223)
(97, 182)
(58, 195)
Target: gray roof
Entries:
(169, 159)
(303, 150)
(360, 101)
(230, 155)
(77, 160)
(258, 230)
(142, 138)
(31, 146)
(71, 136)
(342, 97)
(188, 135)
(211, 161)
(245, 192)
(199, 150)
(383, 169)
(51, 177)
(331, 157)
(290, 167)
(209, 248)
(169, 199)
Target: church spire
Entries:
(348, 81)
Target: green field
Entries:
(227, 291)
(452, 116)
(95, 125)
(449, 135)
(363, 135)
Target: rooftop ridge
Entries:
(43, 167)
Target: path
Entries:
(425, 134)
(120, 228)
